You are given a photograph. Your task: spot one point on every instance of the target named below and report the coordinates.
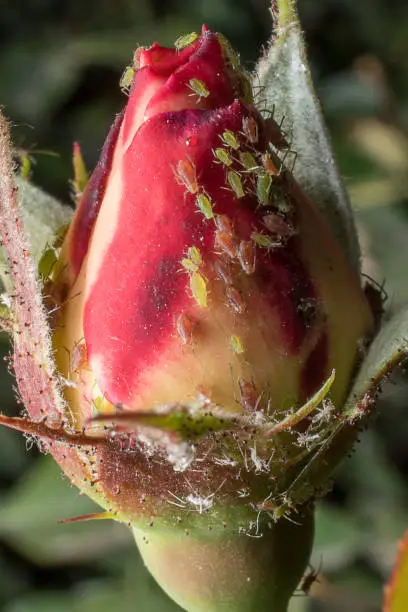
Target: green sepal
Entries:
(284, 76)
(43, 217)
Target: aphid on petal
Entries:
(136, 57)
(264, 241)
(78, 357)
(247, 256)
(199, 88)
(236, 345)
(185, 41)
(189, 265)
(250, 129)
(246, 87)
(186, 175)
(126, 79)
(198, 288)
(223, 271)
(249, 162)
(224, 224)
(249, 394)
(195, 255)
(223, 156)
(263, 188)
(185, 328)
(235, 300)
(270, 165)
(235, 183)
(230, 55)
(230, 140)
(193, 261)
(227, 244)
(205, 206)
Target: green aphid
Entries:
(205, 206)
(47, 264)
(59, 236)
(188, 265)
(199, 88)
(223, 156)
(81, 177)
(247, 91)
(228, 51)
(263, 241)
(193, 261)
(185, 40)
(98, 404)
(235, 183)
(198, 288)
(249, 162)
(237, 345)
(5, 309)
(25, 166)
(263, 188)
(230, 140)
(284, 205)
(195, 255)
(126, 79)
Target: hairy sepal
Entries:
(284, 80)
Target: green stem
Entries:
(230, 572)
(285, 13)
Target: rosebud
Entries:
(204, 316)
(172, 255)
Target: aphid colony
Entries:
(247, 172)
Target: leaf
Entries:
(42, 215)
(396, 592)
(284, 76)
(32, 359)
(387, 351)
(135, 591)
(338, 535)
(30, 513)
(385, 225)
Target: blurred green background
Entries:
(60, 64)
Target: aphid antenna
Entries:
(259, 86)
(230, 189)
(283, 159)
(281, 122)
(67, 300)
(265, 111)
(180, 503)
(258, 90)
(377, 285)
